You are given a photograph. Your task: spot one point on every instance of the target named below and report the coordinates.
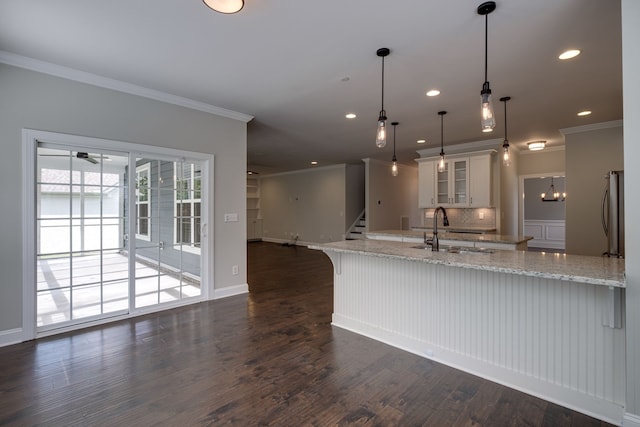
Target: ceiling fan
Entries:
(79, 155)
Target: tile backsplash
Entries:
(464, 217)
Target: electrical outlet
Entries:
(234, 270)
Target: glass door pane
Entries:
(167, 208)
(80, 219)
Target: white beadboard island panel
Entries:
(529, 330)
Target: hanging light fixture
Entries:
(506, 156)
(441, 164)
(552, 195)
(381, 134)
(394, 167)
(488, 121)
(225, 6)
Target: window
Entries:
(143, 202)
(187, 205)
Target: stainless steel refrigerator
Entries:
(613, 213)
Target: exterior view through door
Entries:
(115, 232)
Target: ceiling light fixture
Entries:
(552, 195)
(441, 164)
(394, 167)
(584, 113)
(381, 134)
(421, 141)
(433, 92)
(350, 116)
(313, 162)
(536, 145)
(488, 121)
(225, 6)
(506, 158)
(568, 54)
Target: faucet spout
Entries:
(445, 221)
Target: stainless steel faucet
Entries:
(434, 241)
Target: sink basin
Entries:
(457, 249)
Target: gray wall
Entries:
(590, 155)
(388, 198)
(534, 207)
(39, 101)
(631, 89)
(309, 204)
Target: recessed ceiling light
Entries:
(314, 162)
(584, 113)
(571, 53)
(422, 141)
(487, 130)
(350, 116)
(433, 92)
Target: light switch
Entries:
(231, 217)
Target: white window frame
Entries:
(187, 247)
(143, 168)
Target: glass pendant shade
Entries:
(225, 6)
(441, 165)
(394, 168)
(506, 156)
(488, 120)
(381, 134)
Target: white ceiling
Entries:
(285, 62)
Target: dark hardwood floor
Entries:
(267, 358)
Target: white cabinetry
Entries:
(426, 184)
(480, 182)
(466, 181)
(254, 219)
(452, 184)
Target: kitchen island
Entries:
(547, 324)
(454, 238)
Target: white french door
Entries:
(116, 233)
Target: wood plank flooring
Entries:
(267, 358)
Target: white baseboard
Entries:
(630, 420)
(283, 241)
(11, 336)
(230, 291)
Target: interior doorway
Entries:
(543, 211)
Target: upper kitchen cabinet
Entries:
(452, 184)
(426, 184)
(465, 182)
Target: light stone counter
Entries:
(443, 234)
(574, 268)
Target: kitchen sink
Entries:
(457, 249)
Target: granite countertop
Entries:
(447, 235)
(574, 268)
(455, 229)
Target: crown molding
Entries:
(592, 127)
(117, 85)
(307, 170)
(467, 147)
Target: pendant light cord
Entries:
(442, 134)
(382, 106)
(486, 44)
(505, 121)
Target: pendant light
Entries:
(394, 167)
(506, 156)
(225, 6)
(488, 121)
(441, 164)
(381, 134)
